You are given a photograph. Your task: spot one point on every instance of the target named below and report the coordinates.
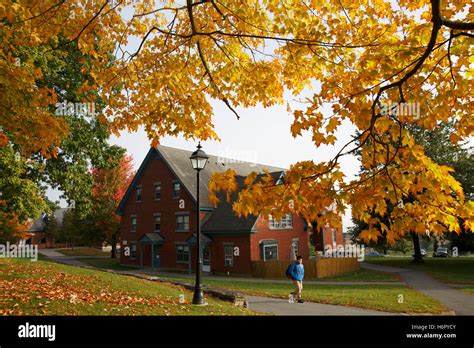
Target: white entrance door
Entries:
(206, 259)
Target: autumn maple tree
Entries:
(438, 147)
(364, 54)
(110, 185)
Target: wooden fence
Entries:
(314, 268)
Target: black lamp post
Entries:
(198, 160)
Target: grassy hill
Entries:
(47, 288)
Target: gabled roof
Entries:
(178, 162)
(192, 240)
(223, 218)
(152, 238)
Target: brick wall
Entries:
(167, 206)
(283, 236)
(241, 262)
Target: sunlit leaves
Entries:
(249, 55)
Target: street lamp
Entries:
(198, 161)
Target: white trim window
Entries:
(270, 252)
(285, 222)
(133, 223)
(133, 250)
(182, 254)
(295, 248)
(182, 222)
(228, 255)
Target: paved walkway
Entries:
(61, 258)
(283, 307)
(459, 302)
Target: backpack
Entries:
(288, 271)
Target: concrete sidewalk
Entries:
(459, 302)
(61, 258)
(284, 307)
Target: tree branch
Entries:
(203, 60)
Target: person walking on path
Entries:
(296, 273)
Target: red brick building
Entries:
(158, 225)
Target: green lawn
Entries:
(107, 264)
(376, 297)
(363, 275)
(448, 270)
(468, 289)
(48, 288)
(83, 251)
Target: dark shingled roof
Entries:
(152, 238)
(223, 218)
(179, 162)
(193, 239)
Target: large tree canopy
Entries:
(65, 70)
(366, 54)
(441, 150)
(21, 198)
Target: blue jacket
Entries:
(297, 271)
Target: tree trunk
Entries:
(416, 245)
(114, 251)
